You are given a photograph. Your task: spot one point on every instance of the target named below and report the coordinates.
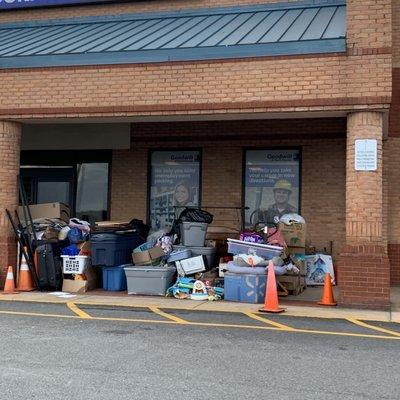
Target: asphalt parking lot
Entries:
(81, 351)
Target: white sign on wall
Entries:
(366, 155)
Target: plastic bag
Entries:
(195, 215)
(75, 235)
(289, 219)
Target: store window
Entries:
(174, 185)
(79, 179)
(92, 191)
(271, 185)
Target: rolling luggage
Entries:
(49, 266)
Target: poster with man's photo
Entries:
(272, 180)
(174, 185)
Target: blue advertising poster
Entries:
(14, 4)
(272, 183)
(174, 185)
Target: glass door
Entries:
(49, 184)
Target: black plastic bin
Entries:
(111, 249)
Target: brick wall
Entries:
(362, 77)
(237, 84)
(323, 167)
(396, 33)
(120, 8)
(10, 138)
(364, 264)
(393, 149)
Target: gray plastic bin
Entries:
(208, 252)
(193, 233)
(153, 281)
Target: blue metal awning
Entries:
(235, 32)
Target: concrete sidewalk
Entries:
(216, 306)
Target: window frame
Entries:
(271, 148)
(149, 170)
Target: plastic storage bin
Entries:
(179, 254)
(114, 278)
(246, 288)
(75, 264)
(110, 249)
(193, 233)
(262, 250)
(152, 281)
(208, 252)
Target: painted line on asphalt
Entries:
(171, 317)
(75, 309)
(172, 306)
(268, 321)
(209, 325)
(30, 314)
(376, 328)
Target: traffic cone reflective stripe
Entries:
(327, 294)
(25, 282)
(9, 286)
(271, 293)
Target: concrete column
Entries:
(10, 144)
(364, 271)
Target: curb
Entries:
(221, 306)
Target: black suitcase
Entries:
(49, 267)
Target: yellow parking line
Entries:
(74, 308)
(208, 324)
(29, 314)
(268, 321)
(156, 310)
(376, 328)
(144, 321)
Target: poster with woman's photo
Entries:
(174, 185)
(272, 180)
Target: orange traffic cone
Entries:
(9, 287)
(25, 282)
(327, 294)
(271, 293)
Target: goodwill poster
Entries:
(175, 181)
(272, 185)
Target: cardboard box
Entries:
(148, 257)
(294, 234)
(47, 210)
(78, 286)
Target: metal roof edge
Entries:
(175, 55)
(172, 14)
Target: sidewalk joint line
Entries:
(174, 318)
(75, 309)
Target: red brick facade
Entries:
(222, 144)
(355, 213)
(10, 138)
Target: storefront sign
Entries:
(366, 155)
(272, 180)
(174, 185)
(13, 4)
